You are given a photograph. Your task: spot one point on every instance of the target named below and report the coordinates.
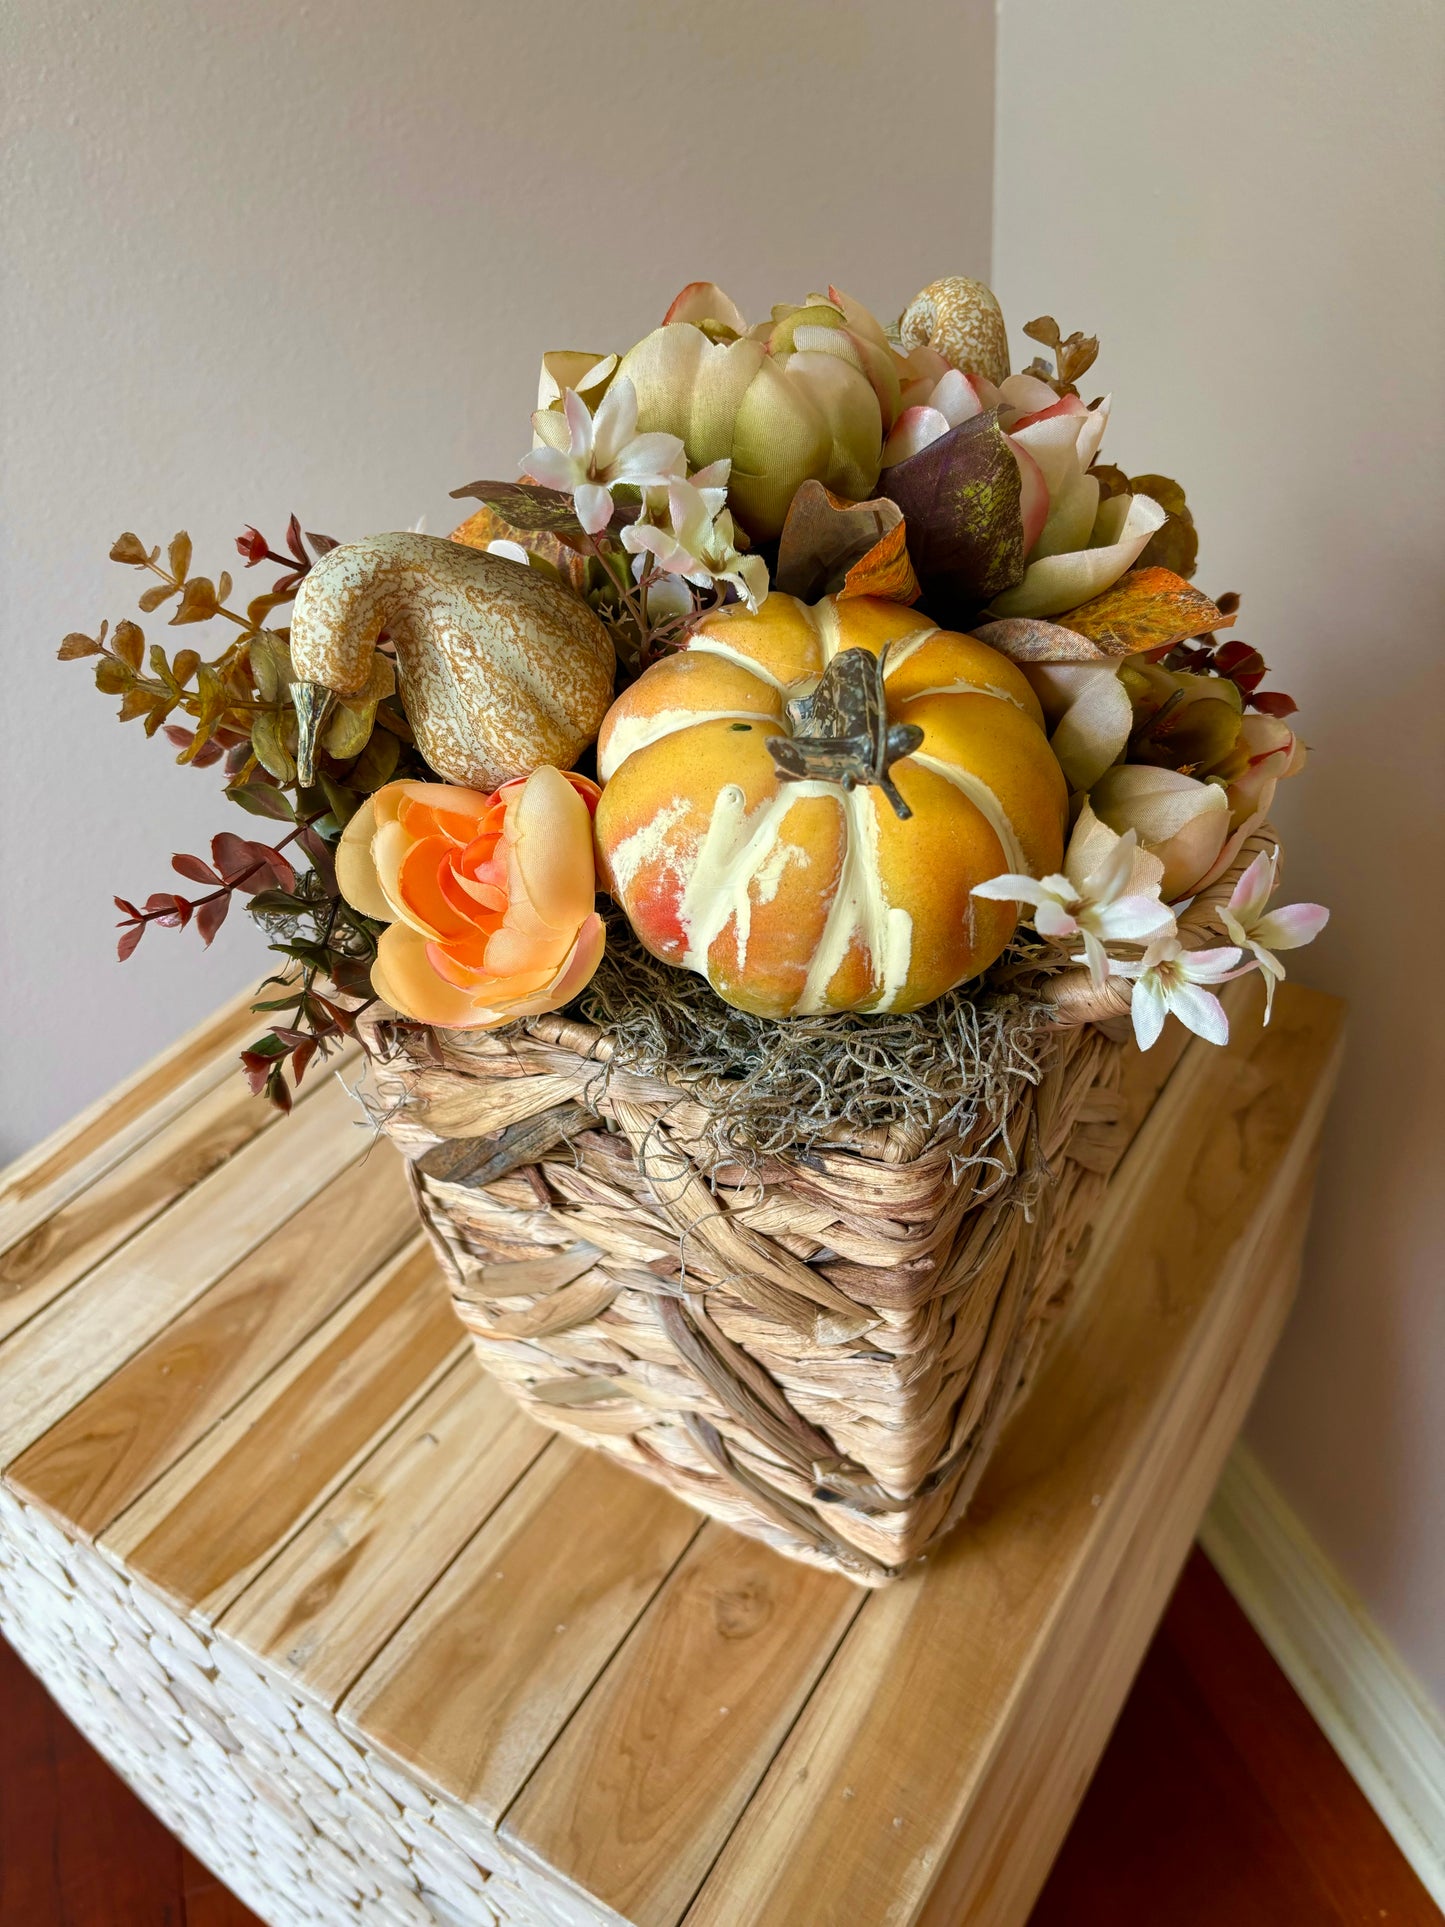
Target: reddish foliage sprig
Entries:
(316, 1023)
(1237, 662)
(221, 742)
(297, 562)
(265, 1062)
(237, 864)
(239, 718)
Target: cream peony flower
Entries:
(1076, 546)
(1084, 545)
(930, 409)
(569, 368)
(1183, 822)
(488, 900)
(807, 394)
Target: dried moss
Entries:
(775, 1086)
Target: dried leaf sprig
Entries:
(201, 596)
(218, 693)
(236, 709)
(239, 701)
(1074, 354)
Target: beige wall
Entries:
(269, 256)
(1244, 200)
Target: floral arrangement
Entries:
(879, 655)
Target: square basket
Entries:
(819, 1347)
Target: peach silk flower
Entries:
(489, 900)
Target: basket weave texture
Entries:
(818, 1347)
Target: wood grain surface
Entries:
(890, 1735)
(237, 1377)
(35, 1187)
(1218, 1800)
(224, 1509)
(486, 1673)
(323, 1609)
(104, 1453)
(135, 1291)
(638, 1795)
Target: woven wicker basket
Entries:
(820, 1350)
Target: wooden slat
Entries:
(72, 1158)
(206, 1527)
(878, 1777)
(43, 1264)
(67, 1349)
(105, 1452)
(484, 1675)
(1021, 1811)
(635, 1800)
(323, 1610)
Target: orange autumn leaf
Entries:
(831, 546)
(886, 570)
(1146, 610)
(489, 525)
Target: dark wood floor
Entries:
(1217, 1804)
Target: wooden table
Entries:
(378, 1649)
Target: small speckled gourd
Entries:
(798, 804)
(500, 669)
(963, 321)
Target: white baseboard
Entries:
(1370, 1707)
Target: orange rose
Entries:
(489, 899)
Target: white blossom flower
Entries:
(513, 551)
(586, 456)
(1169, 977)
(1262, 931)
(1105, 894)
(699, 543)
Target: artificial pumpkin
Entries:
(501, 669)
(798, 804)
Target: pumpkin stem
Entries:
(842, 733)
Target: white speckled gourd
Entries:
(501, 670)
(963, 321)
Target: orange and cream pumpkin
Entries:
(811, 891)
